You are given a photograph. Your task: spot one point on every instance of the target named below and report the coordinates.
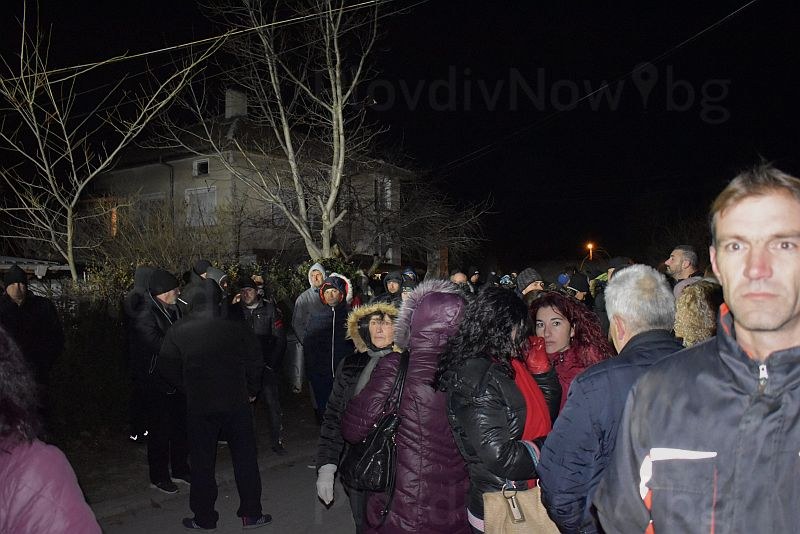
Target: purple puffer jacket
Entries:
(432, 481)
(39, 492)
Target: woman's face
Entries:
(554, 328)
(381, 331)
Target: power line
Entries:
(242, 31)
(490, 147)
(210, 40)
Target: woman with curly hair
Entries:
(696, 312)
(39, 492)
(572, 335)
(495, 408)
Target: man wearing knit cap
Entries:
(529, 280)
(167, 447)
(33, 323)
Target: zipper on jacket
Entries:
(333, 341)
(762, 377)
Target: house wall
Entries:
(256, 225)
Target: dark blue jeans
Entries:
(204, 429)
(272, 403)
(322, 385)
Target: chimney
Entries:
(235, 104)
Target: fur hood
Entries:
(402, 328)
(359, 313)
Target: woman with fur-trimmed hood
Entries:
(431, 478)
(372, 330)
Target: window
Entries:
(152, 208)
(200, 167)
(383, 193)
(201, 206)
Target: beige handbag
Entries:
(510, 511)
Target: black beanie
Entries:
(527, 277)
(201, 266)
(15, 275)
(161, 281)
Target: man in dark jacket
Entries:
(218, 364)
(33, 323)
(196, 274)
(325, 343)
(641, 309)
(135, 303)
(393, 289)
(266, 322)
(709, 439)
(166, 407)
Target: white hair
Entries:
(642, 297)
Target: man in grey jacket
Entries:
(307, 301)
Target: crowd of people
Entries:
(617, 395)
(639, 399)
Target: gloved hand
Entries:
(536, 359)
(325, 483)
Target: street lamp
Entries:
(590, 246)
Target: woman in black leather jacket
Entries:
(487, 409)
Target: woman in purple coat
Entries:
(432, 481)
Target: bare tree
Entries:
(420, 219)
(60, 144)
(304, 129)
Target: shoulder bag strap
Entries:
(393, 401)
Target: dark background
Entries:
(619, 175)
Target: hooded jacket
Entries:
(215, 361)
(708, 442)
(393, 298)
(432, 480)
(331, 443)
(307, 302)
(325, 343)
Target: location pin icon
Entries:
(645, 76)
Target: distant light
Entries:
(590, 246)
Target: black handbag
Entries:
(370, 464)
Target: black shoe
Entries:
(279, 450)
(166, 486)
(190, 524)
(183, 479)
(256, 521)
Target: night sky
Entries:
(486, 98)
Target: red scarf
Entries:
(537, 416)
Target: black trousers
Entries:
(272, 403)
(358, 506)
(204, 429)
(167, 444)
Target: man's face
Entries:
(249, 296)
(317, 278)
(332, 296)
(393, 286)
(474, 278)
(17, 291)
(757, 260)
(674, 263)
(170, 297)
